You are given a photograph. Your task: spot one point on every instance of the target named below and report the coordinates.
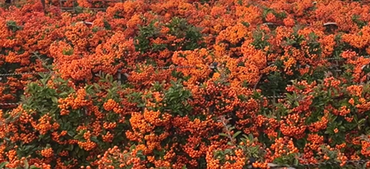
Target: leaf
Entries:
(70, 147)
(230, 143)
(94, 139)
(361, 122)
(223, 134)
(236, 134)
(71, 133)
(296, 162)
(3, 164)
(64, 94)
(228, 151)
(34, 167)
(253, 149)
(54, 99)
(26, 165)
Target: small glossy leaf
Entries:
(236, 134)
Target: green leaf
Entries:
(296, 162)
(223, 134)
(70, 147)
(228, 151)
(3, 164)
(34, 167)
(236, 134)
(54, 99)
(94, 139)
(26, 165)
(71, 133)
(361, 122)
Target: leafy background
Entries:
(184, 84)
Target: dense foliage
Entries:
(185, 83)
